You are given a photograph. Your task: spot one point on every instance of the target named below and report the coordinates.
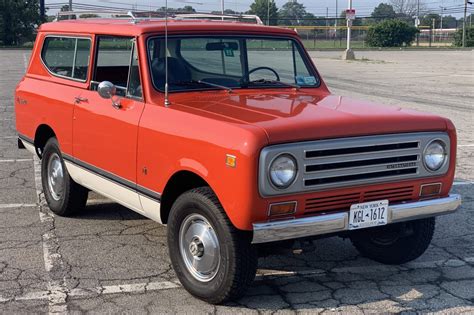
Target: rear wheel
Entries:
(63, 195)
(213, 260)
(395, 243)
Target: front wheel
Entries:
(395, 243)
(212, 259)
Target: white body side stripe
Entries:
(122, 195)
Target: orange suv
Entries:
(226, 133)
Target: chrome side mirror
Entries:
(107, 90)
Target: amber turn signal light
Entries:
(230, 160)
(430, 190)
(282, 208)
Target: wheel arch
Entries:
(42, 135)
(178, 183)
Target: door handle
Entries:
(79, 99)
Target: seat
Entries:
(177, 71)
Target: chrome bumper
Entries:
(337, 222)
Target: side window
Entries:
(117, 62)
(67, 57)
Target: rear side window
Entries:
(67, 57)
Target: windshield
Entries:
(198, 63)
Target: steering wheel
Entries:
(265, 68)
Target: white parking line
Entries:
(15, 160)
(456, 183)
(57, 292)
(25, 62)
(465, 145)
(17, 205)
(90, 292)
(261, 275)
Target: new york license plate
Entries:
(368, 214)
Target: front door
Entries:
(105, 136)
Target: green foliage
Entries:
(391, 33)
(18, 20)
(427, 20)
(260, 8)
(469, 37)
(383, 11)
(294, 13)
(88, 16)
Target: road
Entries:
(110, 259)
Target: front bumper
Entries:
(338, 222)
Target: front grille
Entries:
(361, 162)
(352, 162)
(338, 202)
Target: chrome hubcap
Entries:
(199, 247)
(55, 176)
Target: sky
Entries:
(317, 7)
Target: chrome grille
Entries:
(344, 162)
(349, 164)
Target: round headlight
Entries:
(283, 171)
(435, 155)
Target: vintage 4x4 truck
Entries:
(248, 147)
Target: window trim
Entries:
(124, 88)
(74, 57)
(299, 46)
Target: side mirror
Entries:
(106, 89)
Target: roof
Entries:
(126, 27)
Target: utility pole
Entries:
(70, 5)
(41, 7)
(417, 22)
(268, 12)
(335, 21)
(441, 14)
(464, 25)
(349, 53)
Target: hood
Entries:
(289, 115)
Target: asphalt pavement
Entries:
(109, 259)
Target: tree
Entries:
(383, 11)
(427, 20)
(407, 8)
(227, 11)
(293, 13)
(469, 37)
(261, 9)
(391, 33)
(88, 16)
(450, 22)
(18, 20)
(185, 9)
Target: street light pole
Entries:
(222, 9)
(349, 54)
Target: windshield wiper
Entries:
(215, 85)
(268, 81)
(205, 83)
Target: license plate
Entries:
(368, 214)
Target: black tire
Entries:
(395, 243)
(73, 197)
(238, 258)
